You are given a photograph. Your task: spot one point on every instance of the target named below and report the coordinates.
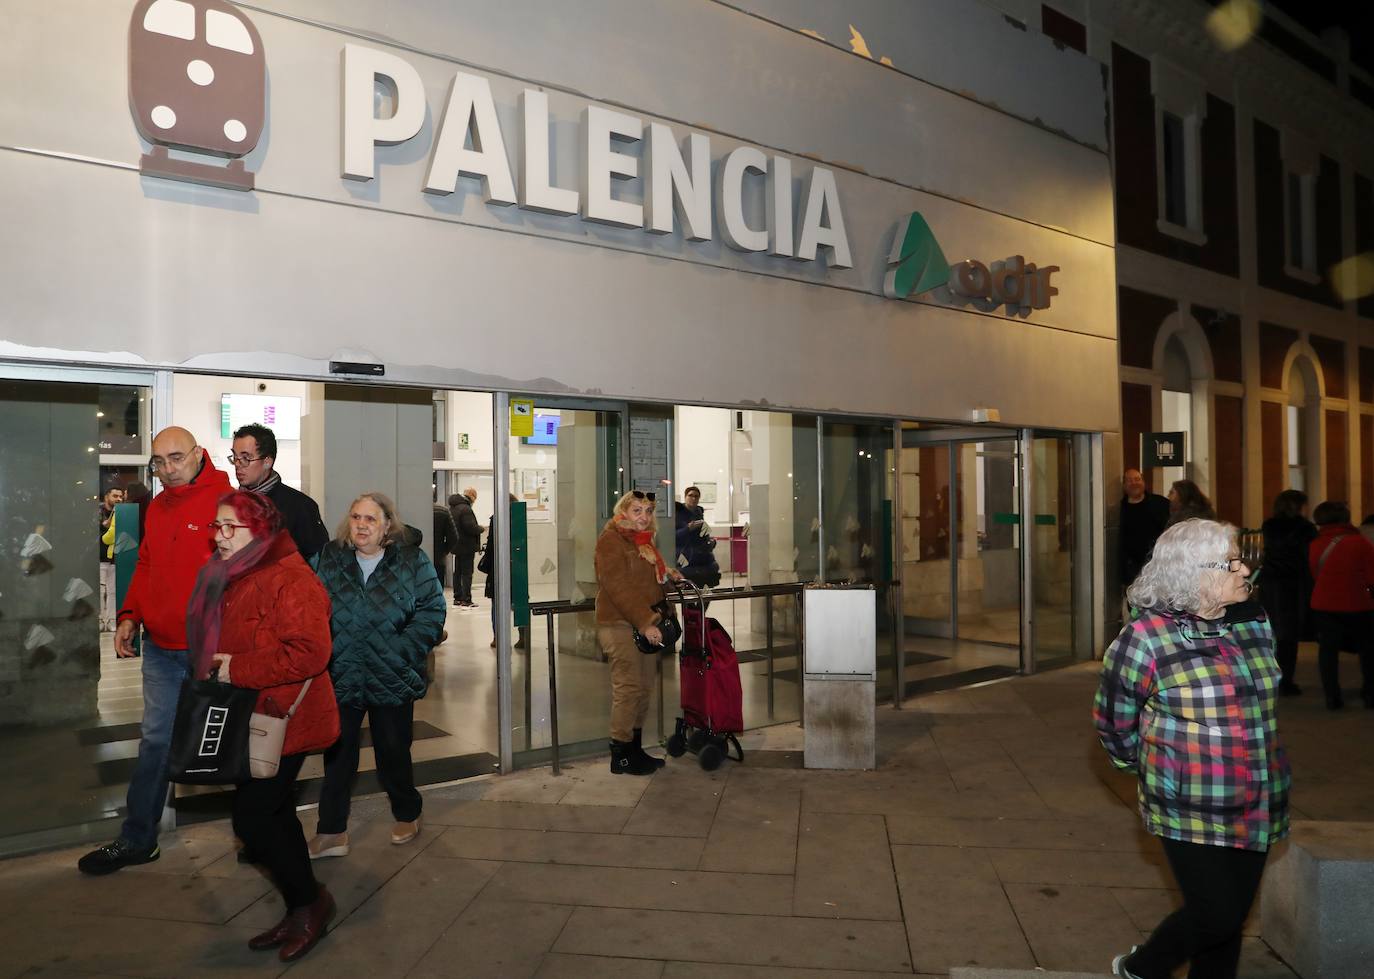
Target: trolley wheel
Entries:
(677, 745)
(695, 740)
(710, 756)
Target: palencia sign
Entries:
(469, 142)
(917, 265)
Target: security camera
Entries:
(261, 387)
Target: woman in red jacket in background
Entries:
(1343, 570)
(262, 617)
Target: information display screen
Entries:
(282, 414)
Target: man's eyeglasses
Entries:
(641, 495)
(243, 460)
(1233, 565)
(225, 528)
(173, 461)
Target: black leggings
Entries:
(265, 819)
(1219, 884)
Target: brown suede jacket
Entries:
(628, 584)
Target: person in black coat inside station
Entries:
(254, 459)
(1285, 586)
(1144, 516)
(445, 542)
(694, 544)
(469, 543)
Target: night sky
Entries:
(1355, 16)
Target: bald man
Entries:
(1144, 515)
(176, 542)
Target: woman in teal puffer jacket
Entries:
(387, 612)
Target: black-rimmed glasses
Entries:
(243, 460)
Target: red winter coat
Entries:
(276, 626)
(1346, 575)
(176, 542)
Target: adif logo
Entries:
(917, 265)
(197, 82)
(215, 717)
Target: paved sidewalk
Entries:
(994, 834)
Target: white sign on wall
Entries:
(282, 414)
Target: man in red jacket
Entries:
(176, 542)
(1343, 571)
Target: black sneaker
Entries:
(115, 856)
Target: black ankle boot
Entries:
(627, 760)
(638, 742)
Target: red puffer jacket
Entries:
(176, 542)
(276, 628)
(1342, 584)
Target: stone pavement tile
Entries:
(594, 784)
(1121, 869)
(737, 939)
(700, 970)
(879, 793)
(1258, 961)
(159, 896)
(394, 928)
(185, 855)
(916, 862)
(844, 868)
(755, 831)
(1147, 906)
(1030, 834)
(1072, 928)
(533, 786)
(559, 966)
(592, 849)
(351, 879)
(494, 939)
(108, 943)
(954, 921)
(991, 801)
(663, 890)
(678, 803)
(527, 815)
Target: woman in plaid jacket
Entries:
(1186, 701)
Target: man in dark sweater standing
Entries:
(1144, 516)
(254, 459)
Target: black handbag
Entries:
(210, 734)
(668, 624)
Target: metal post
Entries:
(529, 693)
(500, 479)
(801, 657)
(1027, 466)
(820, 497)
(553, 698)
(768, 633)
(895, 590)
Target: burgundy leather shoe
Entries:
(273, 937)
(307, 926)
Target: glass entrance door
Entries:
(961, 533)
(1053, 545)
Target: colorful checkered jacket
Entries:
(1192, 713)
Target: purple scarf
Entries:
(205, 610)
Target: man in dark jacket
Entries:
(445, 543)
(254, 459)
(1144, 516)
(469, 543)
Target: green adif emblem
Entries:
(916, 264)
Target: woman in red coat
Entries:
(261, 617)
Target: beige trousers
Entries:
(632, 677)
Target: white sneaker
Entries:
(1118, 969)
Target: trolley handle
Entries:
(700, 600)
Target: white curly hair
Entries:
(1176, 578)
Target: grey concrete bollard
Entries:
(1316, 900)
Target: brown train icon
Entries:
(197, 81)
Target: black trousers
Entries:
(392, 732)
(462, 577)
(1353, 631)
(441, 569)
(1219, 884)
(1286, 652)
(265, 819)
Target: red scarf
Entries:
(204, 612)
(644, 540)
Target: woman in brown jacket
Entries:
(630, 573)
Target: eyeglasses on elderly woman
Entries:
(1233, 565)
(641, 495)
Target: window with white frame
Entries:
(1299, 208)
(1180, 105)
